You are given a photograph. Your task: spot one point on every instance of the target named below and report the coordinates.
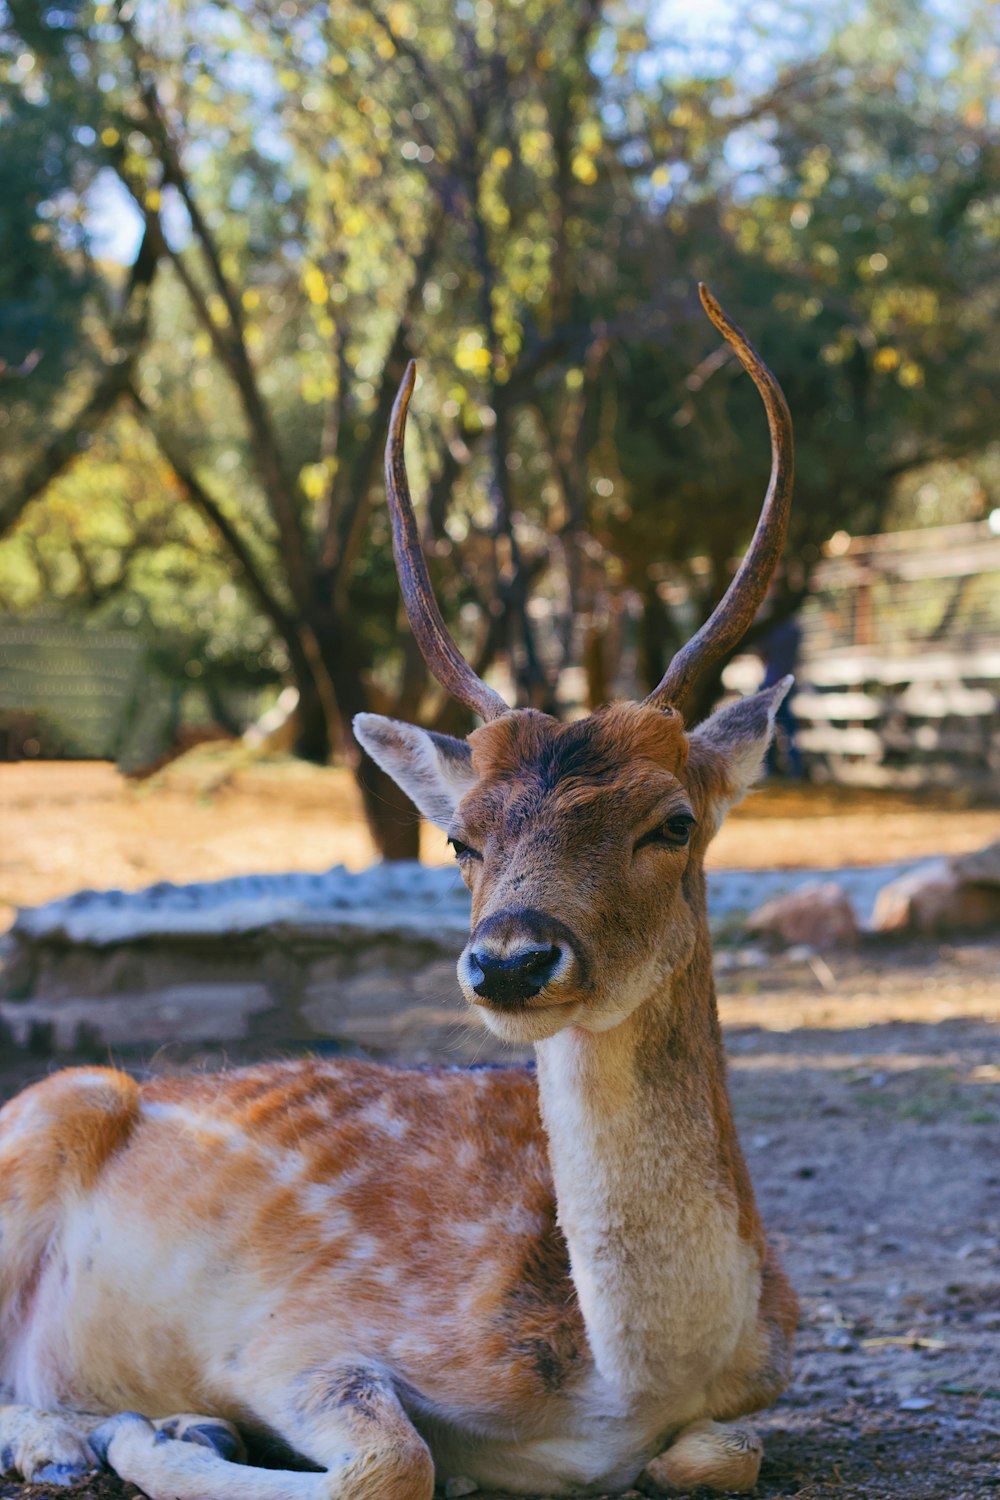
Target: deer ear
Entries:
(434, 770)
(726, 753)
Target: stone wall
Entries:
(336, 961)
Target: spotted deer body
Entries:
(540, 1280)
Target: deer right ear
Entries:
(434, 770)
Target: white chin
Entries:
(518, 1028)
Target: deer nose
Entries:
(515, 977)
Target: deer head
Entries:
(582, 844)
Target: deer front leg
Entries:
(45, 1447)
(347, 1419)
(720, 1455)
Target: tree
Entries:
(524, 196)
(455, 157)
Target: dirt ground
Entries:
(866, 1086)
(65, 826)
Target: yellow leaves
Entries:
(338, 65)
(574, 380)
(109, 136)
(326, 326)
(910, 374)
(683, 116)
(473, 361)
(660, 178)
(535, 147)
(583, 169)
(470, 355)
(502, 158)
(288, 79)
(545, 59)
(591, 138)
(201, 345)
(354, 223)
(254, 338)
(886, 359)
(250, 299)
(314, 284)
(816, 171)
(632, 38)
(314, 478)
(153, 200)
(217, 310)
(317, 388)
(907, 304)
(400, 18)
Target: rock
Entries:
(981, 867)
(943, 896)
(819, 915)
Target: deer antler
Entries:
(734, 613)
(437, 647)
(731, 617)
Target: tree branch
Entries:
(76, 431)
(216, 516)
(278, 488)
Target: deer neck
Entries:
(653, 1194)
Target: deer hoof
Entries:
(720, 1455)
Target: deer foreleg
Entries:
(45, 1447)
(347, 1419)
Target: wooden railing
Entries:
(899, 677)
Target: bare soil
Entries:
(866, 1086)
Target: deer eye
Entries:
(464, 851)
(674, 833)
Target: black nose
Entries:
(515, 978)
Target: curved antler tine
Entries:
(437, 647)
(734, 613)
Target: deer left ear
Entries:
(726, 753)
(434, 770)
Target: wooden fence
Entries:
(899, 679)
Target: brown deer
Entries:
(543, 1283)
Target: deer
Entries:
(545, 1281)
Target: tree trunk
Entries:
(393, 821)
(313, 740)
(392, 818)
